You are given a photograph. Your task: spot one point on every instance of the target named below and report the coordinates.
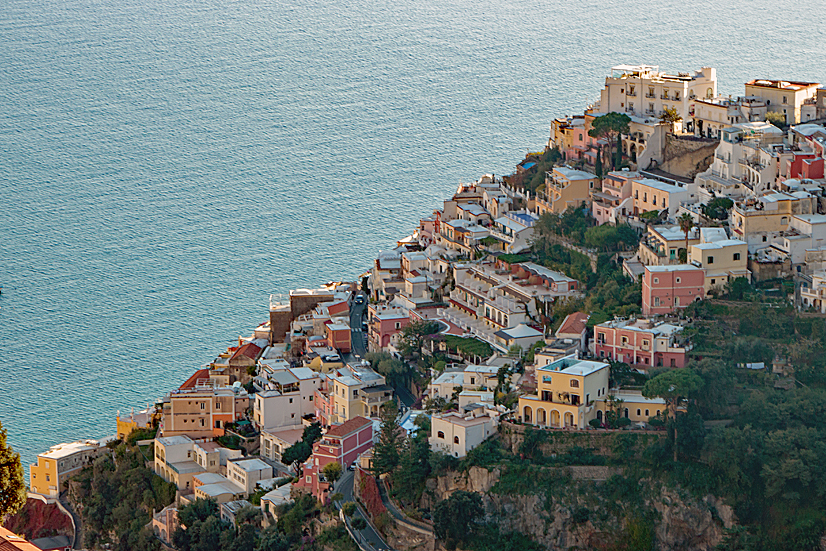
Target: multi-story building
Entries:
(54, 467)
(709, 116)
(654, 195)
(567, 390)
(353, 391)
(179, 458)
(247, 472)
(781, 96)
(813, 294)
(614, 201)
(461, 236)
(761, 220)
(565, 187)
(669, 288)
(745, 162)
(275, 441)
(722, 260)
(202, 411)
(385, 276)
(383, 324)
(456, 434)
(513, 231)
(141, 420)
(645, 91)
(343, 443)
(640, 342)
(661, 245)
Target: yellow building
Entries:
(53, 468)
(567, 393)
(661, 245)
(757, 221)
(722, 260)
(632, 405)
(655, 195)
(565, 187)
(357, 391)
(145, 419)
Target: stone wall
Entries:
(687, 156)
(601, 442)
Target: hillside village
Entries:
(542, 300)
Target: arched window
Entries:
(455, 439)
(441, 435)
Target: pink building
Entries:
(640, 342)
(323, 403)
(341, 444)
(669, 288)
(344, 443)
(338, 336)
(384, 322)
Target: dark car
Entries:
(359, 299)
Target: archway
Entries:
(569, 419)
(526, 415)
(599, 416)
(555, 418)
(541, 417)
(633, 153)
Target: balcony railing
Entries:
(632, 93)
(650, 95)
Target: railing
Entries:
(632, 94)
(650, 95)
(664, 96)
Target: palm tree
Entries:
(686, 223)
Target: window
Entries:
(624, 340)
(188, 454)
(784, 219)
(202, 422)
(441, 435)
(646, 413)
(658, 412)
(656, 301)
(736, 256)
(639, 413)
(713, 281)
(473, 380)
(203, 405)
(655, 200)
(48, 478)
(574, 383)
(784, 99)
(217, 405)
(218, 424)
(455, 439)
(764, 239)
(645, 197)
(676, 301)
(710, 260)
(291, 400)
(645, 343)
(678, 280)
(656, 280)
(398, 325)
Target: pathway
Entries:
(368, 539)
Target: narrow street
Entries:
(345, 486)
(357, 335)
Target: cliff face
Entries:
(578, 509)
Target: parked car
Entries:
(360, 299)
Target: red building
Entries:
(385, 321)
(669, 288)
(338, 336)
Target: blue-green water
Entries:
(165, 166)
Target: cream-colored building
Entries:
(787, 97)
(54, 467)
(654, 195)
(445, 384)
(565, 187)
(722, 261)
(246, 473)
(661, 245)
(814, 295)
(709, 116)
(632, 405)
(202, 411)
(645, 91)
(456, 434)
(567, 391)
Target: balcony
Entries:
(649, 111)
(501, 236)
(632, 93)
(650, 95)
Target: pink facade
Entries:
(323, 405)
(669, 288)
(312, 482)
(635, 346)
(608, 203)
(383, 325)
(344, 443)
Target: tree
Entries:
(598, 170)
(413, 335)
(670, 115)
(332, 471)
(675, 387)
(611, 126)
(393, 369)
(12, 487)
(386, 450)
(349, 508)
(717, 209)
(455, 518)
(298, 453)
(358, 524)
(686, 223)
(777, 119)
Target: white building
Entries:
(644, 90)
(456, 434)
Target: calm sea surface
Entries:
(165, 166)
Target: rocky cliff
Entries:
(587, 507)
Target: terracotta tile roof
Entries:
(573, 324)
(9, 541)
(352, 425)
(193, 380)
(249, 350)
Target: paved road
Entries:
(357, 335)
(345, 486)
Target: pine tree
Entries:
(386, 451)
(12, 487)
(598, 164)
